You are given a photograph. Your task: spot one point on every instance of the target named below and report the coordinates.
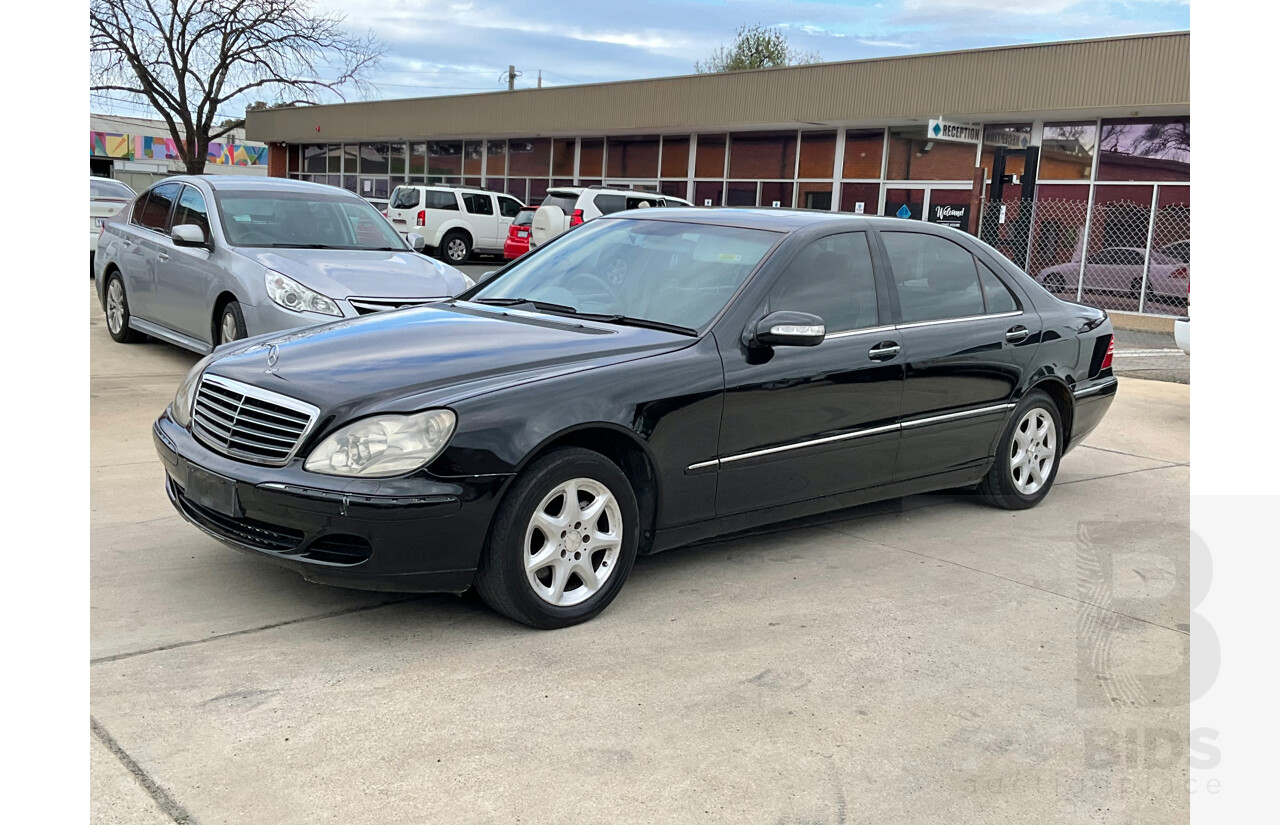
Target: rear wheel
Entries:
(1027, 457)
(117, 310)
(455, 248)
(1054, 282)
(563, 541)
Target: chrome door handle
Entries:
(1018, 333)
(883, 351)
(162, 257)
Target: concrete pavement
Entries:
(922, 660)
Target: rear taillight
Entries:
(422, 217)
(102, 227)
(576, 220)
(1111, 350)
(512, 231)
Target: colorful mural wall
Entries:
(145, 147)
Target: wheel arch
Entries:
(112, 268)
(225, 297)
(1057, 389)
(625, 449)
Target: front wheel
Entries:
(1027, 457)
(231, 326)
(563, 541)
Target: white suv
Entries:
(454, 220)
(568, 206)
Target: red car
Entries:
(517, 242)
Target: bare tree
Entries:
(188, 58)
(755, 47)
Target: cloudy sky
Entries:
(442, 47)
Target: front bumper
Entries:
(416, 534)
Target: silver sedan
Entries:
(200, 261)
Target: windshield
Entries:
(304, 220)
(106, 189)
(662, 271)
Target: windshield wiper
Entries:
(298, 246)
(511, 302)
(629, 321)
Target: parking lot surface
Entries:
(923, 660)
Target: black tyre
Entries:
(563, 541)
(230, 325)
(117, 309)
(1027, 456)
(455, 247)
(1055, 282)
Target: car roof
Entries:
(777, 220)
(226, 183)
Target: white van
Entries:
(454, 220)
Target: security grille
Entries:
(250, 423)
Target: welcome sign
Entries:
(939, 129)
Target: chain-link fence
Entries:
(1120, 255)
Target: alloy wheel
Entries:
(1031, 455)
(230, 330)
(456, 250)
(115, 306)
(573, 541)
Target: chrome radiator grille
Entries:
(366, 306)
(250, 423)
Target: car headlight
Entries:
(186, 394)
(470, 283)
(290, 294)
(383, 445)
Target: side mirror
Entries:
(790, 329)
(486, 276)
(188, 234)
(415, 240)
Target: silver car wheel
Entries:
(456, 249)
(115, 306)
(1033, 451)
(573, 541)
(230, 332)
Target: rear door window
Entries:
(478, 204)
(155, 214)
(436, 199)
(936, 278)
(608, 204)
(997, 295)
(405, 197)
(642, 203)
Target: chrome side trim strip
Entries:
(796, 446)
(868, 331)
(920, 422)
(1097, 388)
(960, 320)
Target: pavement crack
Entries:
(172, 808)
(346, 611)
(1122, 452)
(1127, 472)
(979, 570)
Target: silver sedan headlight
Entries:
(290, 294)
(186, 395)
(383, 445)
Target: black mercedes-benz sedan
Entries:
(648, 380)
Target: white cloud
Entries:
(887, 44)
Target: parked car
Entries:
(535, 434)
(1118, 269)
(106, 198)
(568, 206)
(455, 220)
(518, 235)
(200, 261)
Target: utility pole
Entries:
(511, 78)
(539, 78)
